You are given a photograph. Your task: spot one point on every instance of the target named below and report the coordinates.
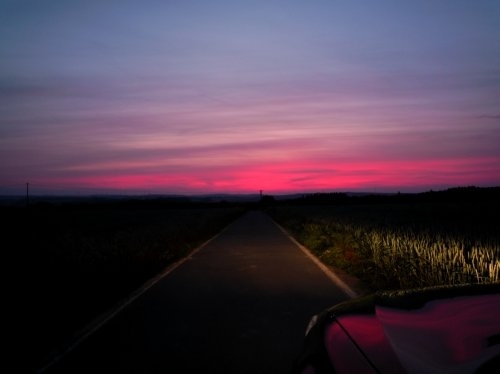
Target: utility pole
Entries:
(27, 194)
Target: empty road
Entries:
(238, 305)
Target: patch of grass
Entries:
(401, 246)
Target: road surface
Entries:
(238, 305)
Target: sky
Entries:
(212, 96)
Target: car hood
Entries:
(434, 330)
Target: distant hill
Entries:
(469, 193)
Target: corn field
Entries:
(425, 260)
(400, 256)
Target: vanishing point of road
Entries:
(239, 304)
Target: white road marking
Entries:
(329, 273)
(101, 320)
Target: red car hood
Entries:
(441, 330)
(456, 335)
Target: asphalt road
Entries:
(239, 305)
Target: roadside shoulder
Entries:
(350, 285)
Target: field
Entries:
(64, 264)
(440, 238)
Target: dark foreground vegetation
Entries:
(64, 264)
(404, 240)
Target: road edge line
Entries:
(328, 272)
(105, 317)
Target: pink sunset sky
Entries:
(196, 97)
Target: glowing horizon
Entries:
(234, 97)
